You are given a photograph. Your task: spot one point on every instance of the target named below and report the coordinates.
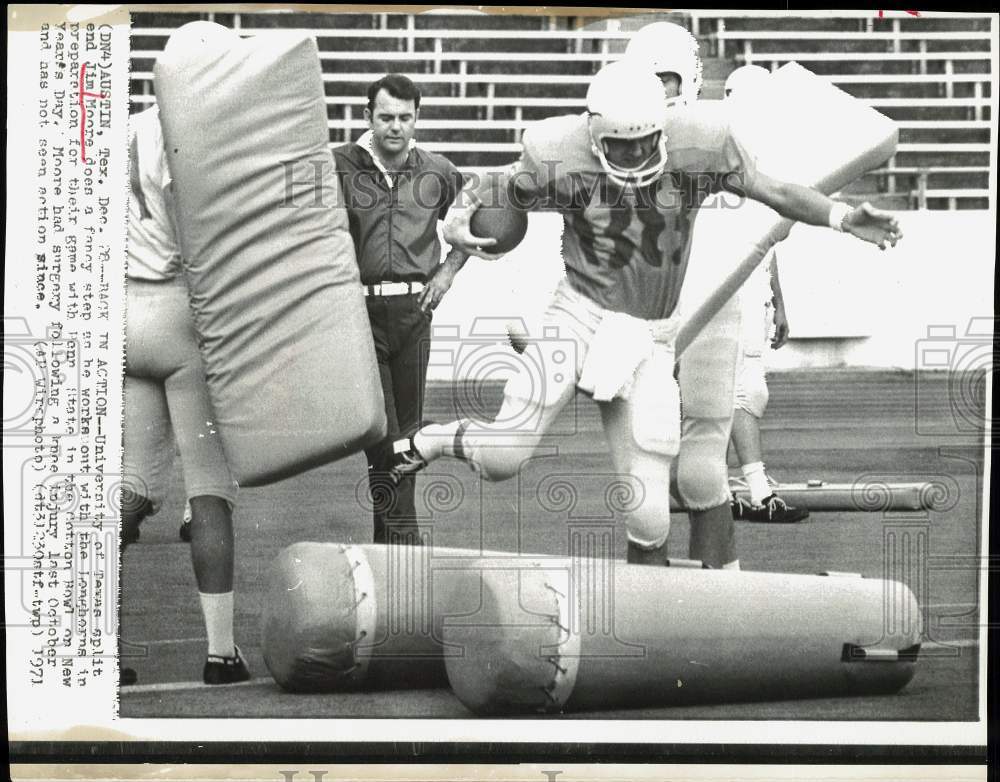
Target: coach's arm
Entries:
(805, 205)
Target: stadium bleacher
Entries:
(484, 77)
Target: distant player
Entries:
(763, 305)
(628, 176)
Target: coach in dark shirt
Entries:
(395, 194)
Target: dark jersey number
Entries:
(622, 217)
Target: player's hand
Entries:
(873, 225)
(780, 328)
(436, 288)
(458, 233)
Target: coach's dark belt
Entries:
(393, 288)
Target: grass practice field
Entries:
(836, 425)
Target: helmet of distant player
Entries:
(625, 115)
(746, 80)
(668, 49)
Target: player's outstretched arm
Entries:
(806, 205)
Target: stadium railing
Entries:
(944, 129)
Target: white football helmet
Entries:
(670, 48)
(746, 79)
(625, 103)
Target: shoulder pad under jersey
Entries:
(696, 134)
(559, 146)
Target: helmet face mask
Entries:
(634, 160)
(625, 116)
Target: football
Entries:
(504, 223)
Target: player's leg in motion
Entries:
(162, 348)
(750, 403)
(544, 381)
(707, 377)
(644, 435)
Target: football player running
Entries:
(627, 176)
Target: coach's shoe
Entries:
(225, 670)
(773, 510)
(185, 531)
(127, 677)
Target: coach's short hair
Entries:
(397, 85)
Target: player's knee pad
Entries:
(701, 464)
(648, 513)
(649, 527)
(751, 387)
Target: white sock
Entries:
(436, 440)
(734, 565)
(218, 611)
(757, 481)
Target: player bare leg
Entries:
(713, 537)
(212, 555)
(749, 452)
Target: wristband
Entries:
(838, 212)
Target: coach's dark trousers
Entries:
(402, 336)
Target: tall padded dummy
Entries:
(550, 639)
(801, 129)
(268, 258)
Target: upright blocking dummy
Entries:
(267, 254)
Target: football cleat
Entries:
(225, 670)
(625, 116)
(669, 48)
(773, 510)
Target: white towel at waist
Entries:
(619, 346)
